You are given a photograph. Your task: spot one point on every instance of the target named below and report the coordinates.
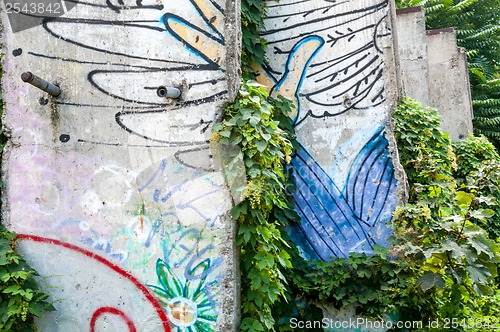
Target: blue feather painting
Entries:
(328, 58)
(326, 74)
(334, 222)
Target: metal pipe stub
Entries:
(168, 92)
(40, 83)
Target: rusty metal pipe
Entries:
(40, 83)
(168, 92)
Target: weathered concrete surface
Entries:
(332, 59)
(434, 71)
(449, 83)
(337, 61)
(413, 56)
(112, 187)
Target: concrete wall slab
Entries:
(112, 187)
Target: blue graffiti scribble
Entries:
(105, 246)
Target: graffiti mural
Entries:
(328, 57)
(111, 184)
(98, 271)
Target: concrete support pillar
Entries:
(449, 83)
(412, 40)
(434, 71)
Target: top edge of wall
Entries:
(438, 31)
(409, 10)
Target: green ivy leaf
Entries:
(464, 198)
(482, 214)
(429, 280)
(251, 324)
(478, 273)
(261, 145)
(483, 245)
(13, 289)
(264, 260)
(225, 133)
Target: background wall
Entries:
(434, 71)
(113, 188)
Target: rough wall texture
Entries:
(335, 60)
(434, 71)
(449, 83)
(113, 187)
(414, 59)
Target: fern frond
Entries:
(487, 133)
(484, 32)
(430, 9)
(486, 112)
(463, 5)
(478, 72)
(487, 102)
(490, 123)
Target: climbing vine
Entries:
(253, 13)
(478, 168)
(251, 123)
(260, 126)
(439, 231)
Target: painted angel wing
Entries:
(370, 188)
(335, 223)
(329, 226)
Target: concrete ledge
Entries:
(438, 31)
(403, 11)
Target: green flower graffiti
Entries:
(189, 306)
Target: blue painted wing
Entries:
(329, 228)
(371, 186)
(333, 223)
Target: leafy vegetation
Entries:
(478, 170)
(253, 13)
(477, 24)
(439, 228)
(260, 127)
(252, 123)
(21, 299)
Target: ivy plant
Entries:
(478, 170)
(439, 231)
(21, 299)
(253, 13)
(251, 123)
